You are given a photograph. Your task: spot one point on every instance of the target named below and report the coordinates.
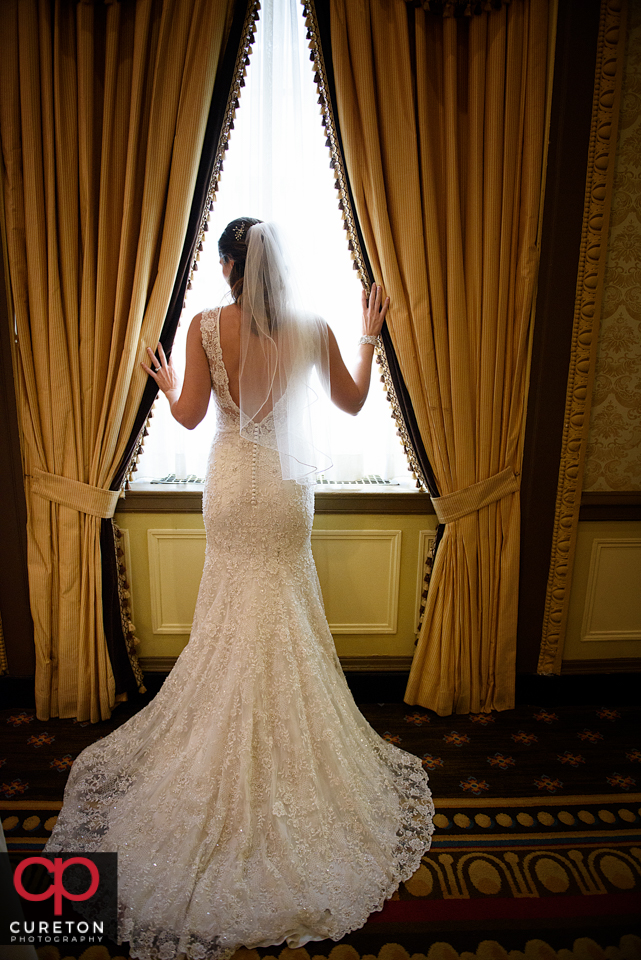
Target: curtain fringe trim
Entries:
(124, 597)
(337, 164)
(427, 576)
(137, 450)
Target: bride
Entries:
(250, 802)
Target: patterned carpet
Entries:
(537, 851)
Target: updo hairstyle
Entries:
(233, 246)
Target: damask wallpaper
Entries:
(613, 460)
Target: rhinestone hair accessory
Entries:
(240, 231)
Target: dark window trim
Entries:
(571, 116)
(15, 609)
(611, 505)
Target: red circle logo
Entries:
(57, 890)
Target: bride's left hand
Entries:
(374, 310)
(164, 375)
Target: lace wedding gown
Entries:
(250, 802)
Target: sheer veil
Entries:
(284, 360)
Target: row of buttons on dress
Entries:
(254, 466)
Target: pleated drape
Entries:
(230, 73)
(442, 122)
(102, 119)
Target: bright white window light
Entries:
(277, 168)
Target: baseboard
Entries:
(376, 664)
(382, 664)
(605, 665)
(157, 664)
(385, 664)
(617, 682)
(377, 684)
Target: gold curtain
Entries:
(442, 121)
(102, 118)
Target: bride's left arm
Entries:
(349, 390)
(189, 405)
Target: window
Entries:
(277, 168)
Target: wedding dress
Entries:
(250, 802)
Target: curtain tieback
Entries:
(72, 493)
(453, 506)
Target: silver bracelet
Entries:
(375, 341)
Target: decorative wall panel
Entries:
(613, 600)
(613, 459)
(176, 559)
(359, 572)
(359, 576)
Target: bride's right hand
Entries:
(374, 310)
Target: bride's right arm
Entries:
(189, 405)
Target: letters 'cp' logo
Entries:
(57, 867)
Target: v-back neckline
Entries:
(219, 355)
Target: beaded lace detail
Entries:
(250, 802)
(210, 334)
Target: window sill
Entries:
(188, 498)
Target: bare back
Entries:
(192, 404)
(229, 327)
(254, 361)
